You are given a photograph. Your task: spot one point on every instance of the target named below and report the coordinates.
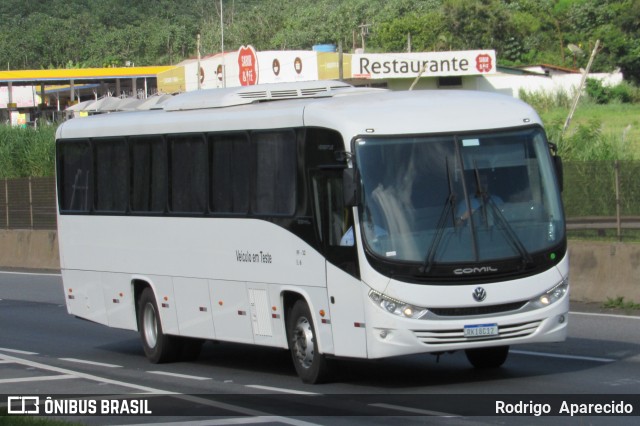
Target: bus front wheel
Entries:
(158, 347)
(310, 364)
(487, 357)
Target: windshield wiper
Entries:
(512, 237)
(449, 207)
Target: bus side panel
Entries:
(347, 313)
(230, 311)
(84, 295)
(163, 290)
(193, 307)
(119, 300)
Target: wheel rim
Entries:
(150, 325)
(303, 350)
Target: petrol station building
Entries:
(46, 94)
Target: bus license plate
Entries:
(481, 330)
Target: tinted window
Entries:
(74, 176)
(149, 174)
(111, 162)
(188, 174)
(230, 171)
(275, 172)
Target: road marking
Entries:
(37, 379)
(86, 376)
(220, 422)
(577, 357)
(44, 274)
(284, 390)
(414, 410)
(84, 361)
(595, 314)
(181, 376)
(15, 351)
(153, 391)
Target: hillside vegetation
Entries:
(87, 33)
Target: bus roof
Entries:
(351, 111)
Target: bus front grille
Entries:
(452, 336)
(477, 310)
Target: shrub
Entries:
(27, 152)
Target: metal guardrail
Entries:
(603, 222)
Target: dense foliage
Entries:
(88, 33)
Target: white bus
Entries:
(329, 220)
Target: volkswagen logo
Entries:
(479, 294)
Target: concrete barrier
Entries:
(599, 270)
(29, 249)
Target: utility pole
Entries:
(224, 72)
(579, 93)
(198, 70)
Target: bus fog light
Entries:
(561, 319)
(383, 334)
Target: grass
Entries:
(617, 122)
(27, 152)
(621, 303)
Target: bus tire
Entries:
(485, 358)
(158, 347)
(311, 366)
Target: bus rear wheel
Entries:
(485, 358)
(158, 347)
(310, 364)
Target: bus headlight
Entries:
(397, 307)
(552, 295)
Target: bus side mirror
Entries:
(350, 188)
(557, 163)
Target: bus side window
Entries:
(334, 220)
(229, 172)
(275, 172)
(188, 174)
(111, 177)
(75, 177)
(149, 174)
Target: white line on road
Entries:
(44, 274)
(414, 410)
(283, 390)
(191, 398)
(38, 378)
(181, 376)
(86, 376)
(576, 357)
(595, 314)
(84, 361)
(15, 351)
(217, 422)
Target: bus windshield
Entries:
(458, 198)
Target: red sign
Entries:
(484, 63)
(248, 64)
